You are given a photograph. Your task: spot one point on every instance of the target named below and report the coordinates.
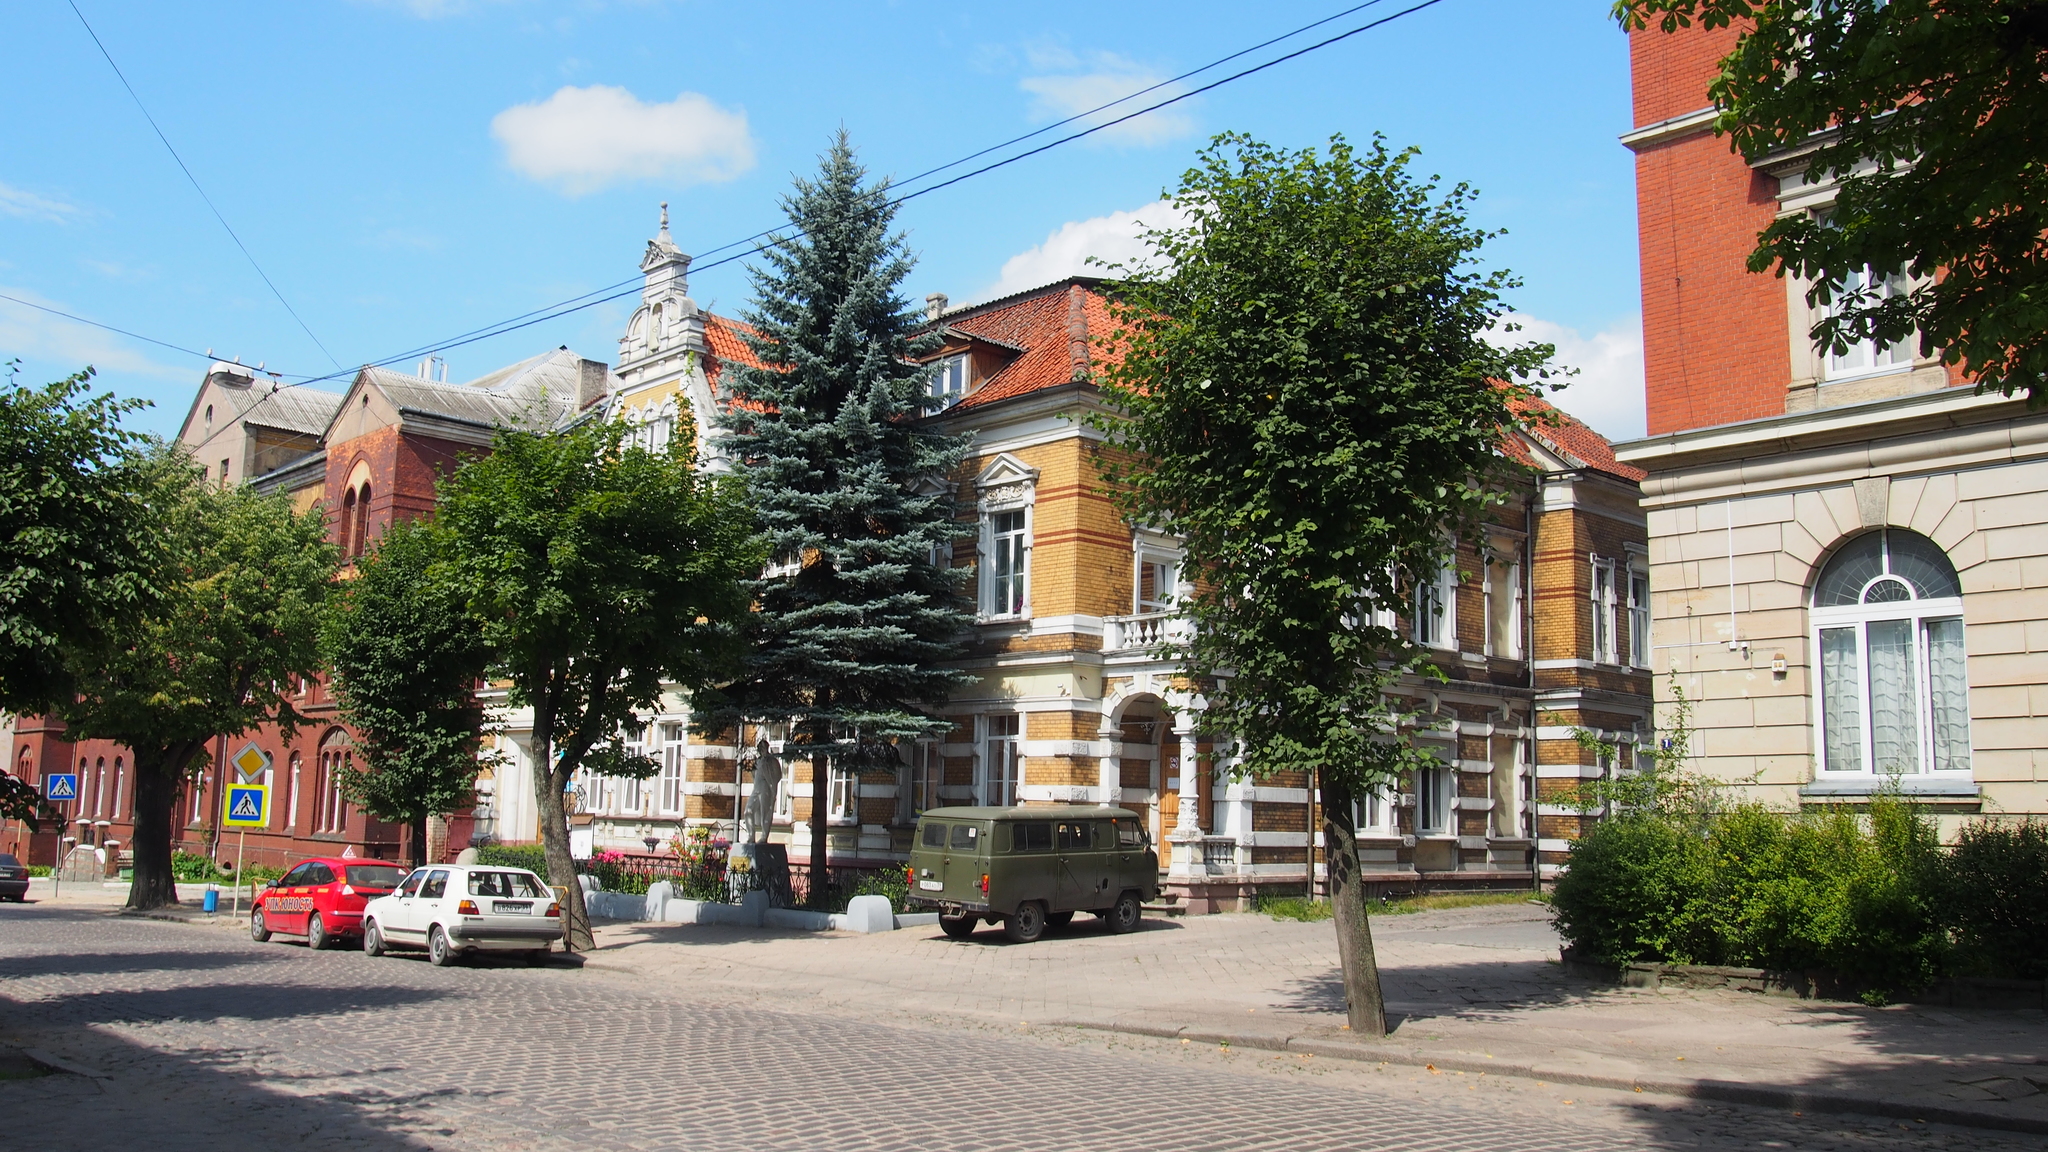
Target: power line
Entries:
(195, 185)
(208, 356)
(629, 287)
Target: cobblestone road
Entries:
(206, 1040)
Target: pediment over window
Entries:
(1006, 469)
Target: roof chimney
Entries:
(593, 380)
(935, 305)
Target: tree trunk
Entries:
(549, 781)
(417, 854)
(156, 793)
(1363, 1000)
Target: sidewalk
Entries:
(1475, 989)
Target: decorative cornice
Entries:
(1665, 131)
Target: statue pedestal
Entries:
(761, 867)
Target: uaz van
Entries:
(1027, 868)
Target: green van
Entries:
(1030, 867)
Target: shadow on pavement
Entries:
(124, 963)
(201, 1100)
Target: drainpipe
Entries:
(1529, 659)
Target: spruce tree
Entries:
(856, 623)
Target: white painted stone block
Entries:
(870, 914)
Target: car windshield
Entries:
(374, 875)
(503, 884)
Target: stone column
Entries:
(1188, 860)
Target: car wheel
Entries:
(373, 939)
(1027, 923)
(258, 930)
(317, 937)
(1124, 917)
(959, 927)
(439, 952)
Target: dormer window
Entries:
(949, 384)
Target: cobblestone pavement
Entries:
(198, 1038)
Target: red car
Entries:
(321, 899)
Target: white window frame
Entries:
(1000, 767)
(1858, 617)
(1018, 605)
(1375, 814)
(1504, 581)
(1435, 619)
(1638, 616)
(1437, 788)
(1864, 358)
(950, 383)
(924, 773)
(675, 765)
(1167, 566)
(1600, 592)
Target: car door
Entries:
(428, 906)
(398, 916)
(319, 887)
(284, 909)
(1081, 875)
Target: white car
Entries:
(454, 909)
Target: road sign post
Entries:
(246, 806)
(58, 788)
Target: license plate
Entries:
(517, 908)
(932, 885)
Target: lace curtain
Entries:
(1949, 695)
(1894, 715)
(1840, 699)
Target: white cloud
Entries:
(29, 206)
(1107, 76)
(34, 335)
(583, 139)
(1607, 394)
(1113, 238)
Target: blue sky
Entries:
(408, 170)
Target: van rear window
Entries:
(935, 835)
(1031, 837)
(966, 836)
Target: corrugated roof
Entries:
(538, 392)
(298, 409)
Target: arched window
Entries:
(120, 779)
(361, 542)
(1894, 691)
(291, 798)
(348, 523)
(330, 810)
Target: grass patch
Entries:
(1437, 901)
(1292, 908)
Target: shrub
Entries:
(531, 857)
(191, 869)
(1994, 894)
(1830, 890)
(1292, 908)
(1630, 889)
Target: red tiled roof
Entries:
(727, 339)
(1570, 438)
(1043, 324)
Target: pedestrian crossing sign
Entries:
(60, 786)
(247, 806)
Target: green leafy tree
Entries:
(241, 585)
(1927, 114)
(19, 800)
(595, 573)
(406, 658)
(76, 542)
(1306, 392)
(856, 622)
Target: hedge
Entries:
(1874, 898)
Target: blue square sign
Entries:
(60, 786)
(246, 806)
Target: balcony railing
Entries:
(1144, 631)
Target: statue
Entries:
(760, 817)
